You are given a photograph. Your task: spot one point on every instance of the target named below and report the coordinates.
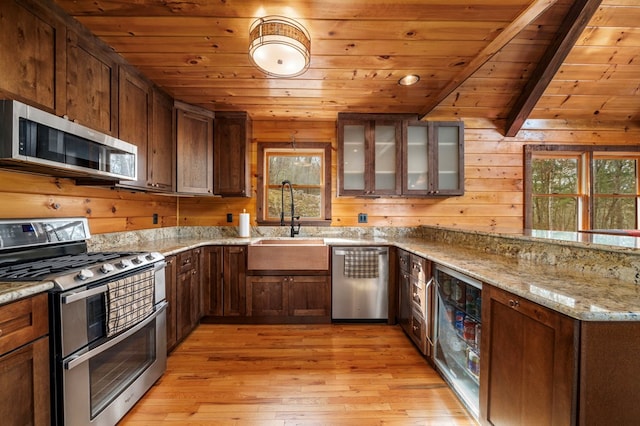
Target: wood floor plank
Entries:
(331, 374)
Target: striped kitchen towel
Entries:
(361, 263)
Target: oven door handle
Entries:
(76, 360)
(81, 295)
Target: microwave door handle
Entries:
(79, 359)
(81, 295)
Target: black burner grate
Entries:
(35, 270)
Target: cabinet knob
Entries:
(514, 303)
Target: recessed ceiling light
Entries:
(409, 80)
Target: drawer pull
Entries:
(514, 303)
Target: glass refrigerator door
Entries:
(457, 334)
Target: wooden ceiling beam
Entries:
(535, 9)
(574, 23)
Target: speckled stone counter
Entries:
(582, 279)
(14, 291)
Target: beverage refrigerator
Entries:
(457, 330)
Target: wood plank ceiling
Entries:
(502, 60)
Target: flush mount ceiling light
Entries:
(409, 80)
(279, 46)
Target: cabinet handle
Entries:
(514, 303)
(1, 332)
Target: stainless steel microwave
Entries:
(36, 141)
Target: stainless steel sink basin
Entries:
(288, 254)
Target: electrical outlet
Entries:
(229, 217)
(362, 218)
(155, 218)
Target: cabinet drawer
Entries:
(188, 260)
(417, 329)
(22, 322)
(404, 258)
(418, 268)
(418, 296)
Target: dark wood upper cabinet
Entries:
(32, 55)
(161, 169)
(397, 155)
(133, 123)
(231, 154)
(92, 85)
(194, 149)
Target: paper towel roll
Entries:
(244, 229)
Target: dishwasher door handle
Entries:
(380, 251)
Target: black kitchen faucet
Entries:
(294, 230)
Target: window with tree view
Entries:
(307, 169)
(573, 188)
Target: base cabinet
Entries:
(171, 296)
(609, 382)
(289, 298)
(24, 362)
(183, 282)
(188, 292)
(529, 363)
(224, 270)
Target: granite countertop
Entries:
(10, 291)
(582, 296)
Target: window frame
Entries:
(586, 195)
(325, 147)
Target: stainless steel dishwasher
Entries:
(360, 283)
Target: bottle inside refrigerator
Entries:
(457, 333)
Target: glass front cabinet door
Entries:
(370, 152)
(433, 158)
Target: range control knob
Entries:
(150, 257)
(106, 268)
(137, 260)
(84, 275)
(124, 263)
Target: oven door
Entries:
(100, 384)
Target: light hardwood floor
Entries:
(338, 374)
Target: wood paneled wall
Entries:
(493, 199)
(24, 195)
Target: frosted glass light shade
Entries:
(279, 46)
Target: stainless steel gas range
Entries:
(107, 316)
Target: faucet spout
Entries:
(294, 230)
